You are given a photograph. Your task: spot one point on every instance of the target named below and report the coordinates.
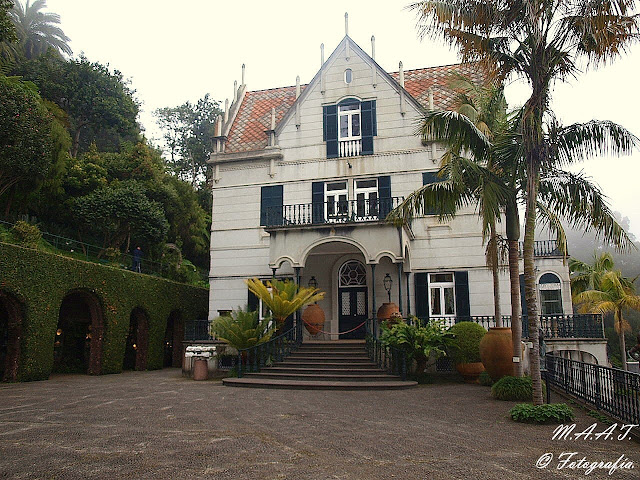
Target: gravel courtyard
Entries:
(159, 425)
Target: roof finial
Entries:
(346, 24)
(401, 75)
(297, 86)
(273, 118)
(321, 54)
(235, 90)
(373, 47)
(242, 74)
(226, 110)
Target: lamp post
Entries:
(388, 283)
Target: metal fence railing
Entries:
(610, 390)
(389, 358)
(195, 330)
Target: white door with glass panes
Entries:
(349, 133)
(366, 195)
(336, 201)
(442, 299)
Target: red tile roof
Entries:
(254, 117)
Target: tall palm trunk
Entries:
(513, 235)
(623, 346)
(494, 264)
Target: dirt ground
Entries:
(159, 425)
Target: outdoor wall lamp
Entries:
(388, 282)
(313, 283)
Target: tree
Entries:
(121, 213)
(541, 41)
(188, 132)
(38, 31)
(25, 137)
(100, 105)
(7, 29)
(598, 288)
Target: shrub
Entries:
(485, 379)
(548, 413)
(466, 345)
(242, 329)
(514, 388)
(26, 234)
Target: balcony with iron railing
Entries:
(543, 248)
(322, 213)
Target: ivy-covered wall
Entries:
(40, 281)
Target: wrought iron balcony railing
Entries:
(588, 325)
(544, 248)
(341, 211)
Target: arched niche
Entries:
(11, 320)
(137, 343)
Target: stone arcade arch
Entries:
(11, 319)
(79, 336)
(137, 343)
(173, 336)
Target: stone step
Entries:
(345, 349)
(317, 384)
(327, 371)
(338, 377)
(339, 357)
(318, 364)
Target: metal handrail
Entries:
(341, 211)
(387, 357)
(252, 359)
(610, 390)
(543, 248)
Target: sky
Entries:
(178, 51)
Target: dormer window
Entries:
(349, 128)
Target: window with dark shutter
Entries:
(422, 295)
(349, 128)
(463, 309)
(271, 205)
(427, 179)
(384, 195)
(330, 129)
(369, 129)
(317, 202)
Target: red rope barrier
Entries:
(331, 333)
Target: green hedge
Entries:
(41, 280)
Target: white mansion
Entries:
(304, 176)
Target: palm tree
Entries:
(37, 30)
(540, 41)
(611, 293)
(242, 329)
(283, 298)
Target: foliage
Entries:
(485, 379)
(513, 388)
(465, 347)
(545, 413)
(121, 213)
(100, 104)
(242, 329)
(283, 298)
(38, 31)
(419, 342)
(188, 132)
(26, 234)
(7, 29)
(25, 136)
(40, 281)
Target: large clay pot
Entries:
(200, 369)
(313, 318)
(470, 371)
(496, 352)
(386, 310)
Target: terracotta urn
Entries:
(200, 369)
(470, 371)
(496, 352)
(387, 310)
(313, 318)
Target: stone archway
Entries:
(11, 318)
(78, 338)
(173, 336)
(137, 343)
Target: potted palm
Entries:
(242, 329)
(283, 298)
(465, 350)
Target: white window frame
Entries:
(366, 191)
(349, 112)
(338, 215)
(555, 286)
(441, 287)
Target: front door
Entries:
(352, 305)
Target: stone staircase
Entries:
(328, 365)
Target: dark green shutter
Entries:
(330, 129)
(422, 295)
(368, 115)
(428, 178)
(463, 309)
(317, 202)
(271, 205)
(384, 196)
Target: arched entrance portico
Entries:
(11, 317)
(78, 338)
